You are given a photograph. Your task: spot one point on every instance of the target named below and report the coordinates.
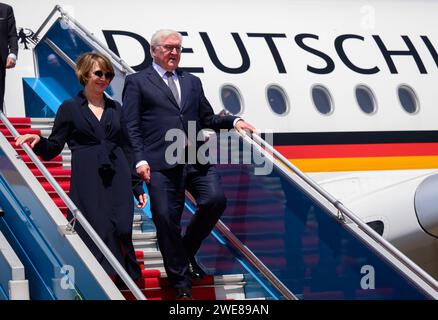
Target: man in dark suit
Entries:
(8, 45)
(156, 100)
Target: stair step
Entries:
(138, 234)
(153, 263)
(59, 202)
(56, 172)
(65, 185)
(206, 289)
(160, 268)
(21, 131)
(145, 245)
(18, 122)
(229, 278)
(45, 132)
(54, 163)
(199, 293)
(140, 217)
(150, 273)
(48, 121)
(151, 255)
(59, 173)
(230, 292)
(32, 165)
(164, 283)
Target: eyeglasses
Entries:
(108, 75)
(170, 48)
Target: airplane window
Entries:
(366, 100)
(408, 99)
(277, 100)
(231, 99)
(377, 226)
(322, 99)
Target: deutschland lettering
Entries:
(307, 42)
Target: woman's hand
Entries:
(32, 139)
(142, 201)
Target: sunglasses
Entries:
(108, 75)
(170, 48)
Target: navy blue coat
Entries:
(150, 110)
(101, 181)
(8, 43)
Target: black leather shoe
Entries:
(195, 270)
(183, 293)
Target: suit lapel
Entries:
(154, 77)
(107, 117)
(185, 85)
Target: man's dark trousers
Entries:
(167, 204)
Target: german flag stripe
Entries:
(371, 137)
(365, 163)
(359, 151)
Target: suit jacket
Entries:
(150, 110)
(8, 33)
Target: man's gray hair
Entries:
(159, 35)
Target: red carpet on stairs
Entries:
(18, 123)
(155, 287)
(62, 176)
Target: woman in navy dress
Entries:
(101, 183)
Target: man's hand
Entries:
(10, 63)
(142, 201)
(144, 172)
(241, 126)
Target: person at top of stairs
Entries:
(8, 45)
(101, 181)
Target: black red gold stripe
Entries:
(357, 151)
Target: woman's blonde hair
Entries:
(85, 62)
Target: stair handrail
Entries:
(65, 15)
(250, 256)
(43, 25)
(77, 214)
(256, 139)
(256, 262)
